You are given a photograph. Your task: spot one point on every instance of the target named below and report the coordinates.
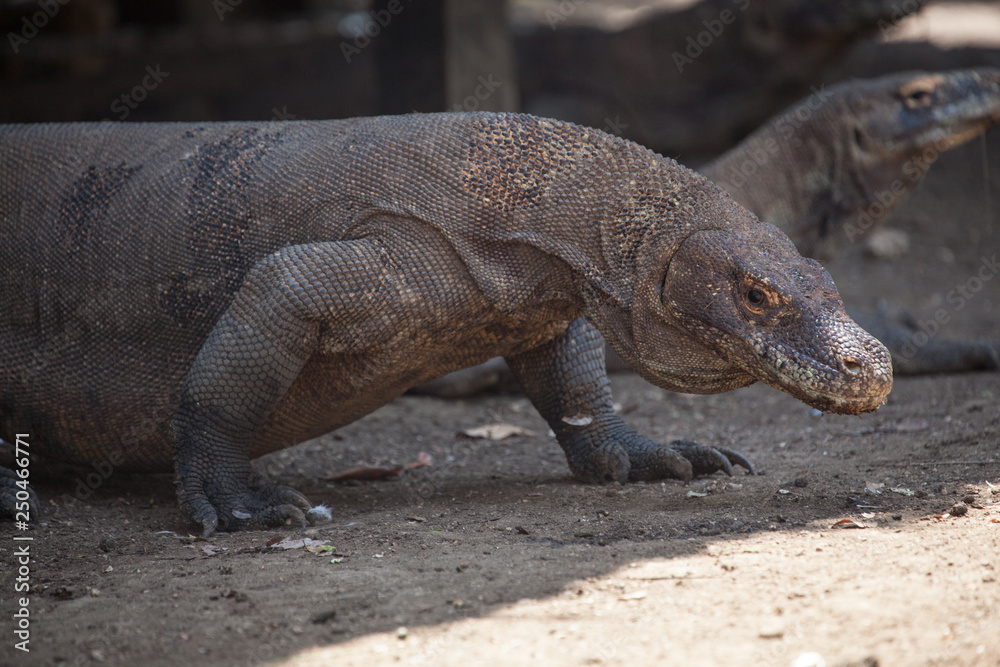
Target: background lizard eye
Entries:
(918, 94)
(755, 297)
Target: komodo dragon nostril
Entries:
(850, 365)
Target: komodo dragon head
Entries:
(723, 305)
(890, 130)
(835, 165)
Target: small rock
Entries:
(401, 633)
(959, 509)
(897, 517)
(771, 632)
(801, 482)
(887, 244)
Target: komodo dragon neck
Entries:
(832, 167)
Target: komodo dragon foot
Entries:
(257, 505)
(629, 457)
(12, 507)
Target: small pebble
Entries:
(801, 482)
(897, 517)
(771, 632)
(887, 244)
(959, 509)
(401, 632)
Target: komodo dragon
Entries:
(828, 171)
(865, 146)
(216, 292)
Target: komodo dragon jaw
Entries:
(776, 317)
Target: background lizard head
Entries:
(740, 304)
(890, 130)
(916, 116)
(855, 151)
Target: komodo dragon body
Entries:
(832, 168)
(216, 292)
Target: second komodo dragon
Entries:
(211, 293)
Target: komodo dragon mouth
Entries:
(853, 388)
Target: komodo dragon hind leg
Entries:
(10, 486)
(566, 381)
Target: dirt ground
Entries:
(851, 547)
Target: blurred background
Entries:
(688, 79)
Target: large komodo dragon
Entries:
(831, 169)
(216, 292)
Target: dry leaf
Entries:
(497, 431)
(289, 543)
(635, 595)
(848, 523)
(423, 460)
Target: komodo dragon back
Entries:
(197, 295)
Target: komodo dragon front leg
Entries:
(248, 362)
(566, 382)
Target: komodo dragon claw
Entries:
(707, 460)
(259, 505)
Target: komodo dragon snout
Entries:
(777, 317)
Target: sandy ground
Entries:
(851, 548)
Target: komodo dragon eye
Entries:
(755, 297)
(918, 94)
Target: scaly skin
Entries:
(832, 178)
(216, 292)
(829, 170)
